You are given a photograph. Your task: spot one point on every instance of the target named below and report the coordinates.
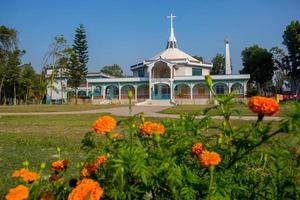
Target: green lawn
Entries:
(35, 138)
(193, 109)
(52, 108)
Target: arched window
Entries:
(237, 88)
(220, 88)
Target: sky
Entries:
(126, 32)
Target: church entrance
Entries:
(161, 91)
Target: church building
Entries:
(170, 77)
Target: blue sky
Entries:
(126, 32)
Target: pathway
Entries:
(149, 111)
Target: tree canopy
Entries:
(200, 58)
(259, 64)
(113, 70)
(291, 39)
(78, 58)
(218, 65)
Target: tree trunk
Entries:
(62, 91)
(4, 98)
(1, 85)
(25, 99)
(76, 96)
(15, 95)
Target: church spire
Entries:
(172, 43)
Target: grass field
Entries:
(35, 138)
(52, 108)
(193, 109)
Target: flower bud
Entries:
(58, 149)
(130, 94)
(208, 81)
(25, 163)
(43, 165)
(220, 139)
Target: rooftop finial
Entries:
(172, 43)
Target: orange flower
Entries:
(86, 188)
(18, 193)
(158, 128)
(263, 105)
(197, 149)
(146, 128)
(100, 160)
(92, 167)
(115, 135)
(88, 170)
(26, 175)
(60, 165)
(104, 125)
(209, 158)
(149, 128)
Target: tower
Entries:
(227, 58)
(172, 43)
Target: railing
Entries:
(160, 80)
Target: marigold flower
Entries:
(60, 165)
(18, 193)
(197, 149)
(104, 124)
(263, 105)
(100, 160)
(47, 196)
(88, 170)
(92, 167)
(115, 135)
(26, 175)
(86, 188)
(149, 128)
(209, 158)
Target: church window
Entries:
(141, 73)
(196, 72)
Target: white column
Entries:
(119, 92)
(87, 88)
(150, 83)
(229, 87)
(103, 90)
(245, 88)
(92, 92)
(135, 93)
(171, 90)
(191, 90)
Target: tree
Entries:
(218, 65)
(13, 72)
(27, 81)
(74, 73)
(80, 48)
(8, 43)
(78, 58)
(56, 59)
(113, 70)
(291, 39)
(259, 64)
(198, 58)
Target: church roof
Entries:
(174, 54)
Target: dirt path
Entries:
(149, 111)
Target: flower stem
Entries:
(211, 173)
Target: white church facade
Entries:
(171, 76)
